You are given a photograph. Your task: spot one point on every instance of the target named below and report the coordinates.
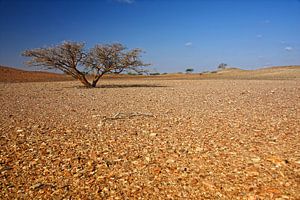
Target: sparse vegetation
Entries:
(189, 70)
(222, 66)
(154, 73)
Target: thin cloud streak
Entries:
(288, 48)
(188, 44)
(125, 1)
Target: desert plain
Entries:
(209, 136)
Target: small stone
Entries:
(255, 159)
(100, 124)
(153, 134)
(135, 162)
(297, 162)
(19, 130)
(106, 190)
(283, 197)
(68, 131)
(287, 184)
(253, 173)
(37, 186)
(169, 161)
(148, 159)
(35, 127)
(199, 149)
(252, 197)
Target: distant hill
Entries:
(269, 73)
(272, 73)
(8, 74)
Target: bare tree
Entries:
(73, 59)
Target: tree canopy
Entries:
(189, 70)
(222, 66)
(73, 59)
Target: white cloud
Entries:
(282, 42)
(188, 44)
(125, 1)
(288, 48)
(267, 21)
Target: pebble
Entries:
(255, 159)
(153, 134)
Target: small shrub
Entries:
(132, 73)
(154, 74)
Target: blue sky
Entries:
(176, 34)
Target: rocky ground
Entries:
(151, 139)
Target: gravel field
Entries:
(151, 139)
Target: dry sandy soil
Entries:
(151, 139)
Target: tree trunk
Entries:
(96, 79)
(85, 82)
(94, 84)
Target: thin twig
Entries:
(128, 115)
